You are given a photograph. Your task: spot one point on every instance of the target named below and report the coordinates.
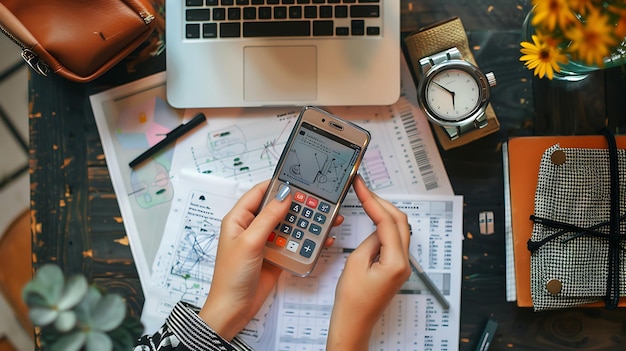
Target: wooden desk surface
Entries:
(79, 226)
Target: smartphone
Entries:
(318, 164)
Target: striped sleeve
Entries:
(184, 330)
(195, 334)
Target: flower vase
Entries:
(576, 70)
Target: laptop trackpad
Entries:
(280, 73)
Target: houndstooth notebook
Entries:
(575, 259)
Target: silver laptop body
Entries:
(215, 60)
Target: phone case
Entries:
(318, 164)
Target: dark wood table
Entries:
(78, 225)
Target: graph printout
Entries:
(297, 316)
(241, 147)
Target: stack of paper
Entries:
(172, 207)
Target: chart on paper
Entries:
(242, 151)
(414, 320)
(246, 148)
(184, 268)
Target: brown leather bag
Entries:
(76, 39)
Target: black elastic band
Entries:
(566, 228)
(612, 285)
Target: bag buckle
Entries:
(32, 59)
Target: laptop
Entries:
(250, 53)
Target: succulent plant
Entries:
(75, 316)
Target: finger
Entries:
(367, 251)
(401, 221)
(244, 211)
(394, 237)
(330, 241)
(372, 205)
(338, 220)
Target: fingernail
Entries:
(283, 191)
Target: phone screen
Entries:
(319, 162)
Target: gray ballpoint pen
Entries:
(429, 283)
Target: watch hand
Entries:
(448, 90)
(444, 88)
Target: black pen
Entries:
(170, 137)
(488, 333)
(429, 283)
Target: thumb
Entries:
(269, 216)
(367, 251)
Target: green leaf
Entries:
(85, 309)
(69, 342)
(42, 292)
(122, 340)
(49, 273)
(51, 276)
(97, 341)
(109, 313)
(74, 291)
(42, 316)
(66, 321)
(133, 325)
(49, 335)
(35, 293)
(126, 335)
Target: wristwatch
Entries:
(452, 90)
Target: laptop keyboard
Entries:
(212, 19)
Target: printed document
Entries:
(298, 315)
(172, 217)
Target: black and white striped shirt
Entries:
(184, 330)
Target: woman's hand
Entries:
(372, 275)
(242, 281)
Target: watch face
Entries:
(452, 94)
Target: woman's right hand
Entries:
(372, 275)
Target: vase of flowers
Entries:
(71, 315)
(567, 39)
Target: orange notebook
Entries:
(524, 157)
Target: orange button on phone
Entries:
(280, 241)
(299, 196)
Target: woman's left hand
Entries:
(242, 280)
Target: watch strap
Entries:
(438, 37)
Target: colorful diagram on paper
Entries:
(138, 129)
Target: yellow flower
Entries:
(619, 14)
(589, 32)
(592, 40)
(552, 12)
(582, 6)
(541, 57)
